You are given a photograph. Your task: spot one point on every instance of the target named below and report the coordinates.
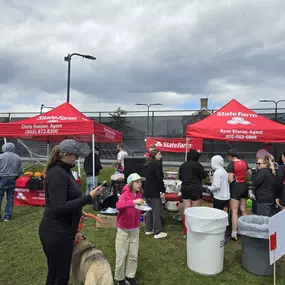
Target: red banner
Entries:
(27, 197)
(175, 144)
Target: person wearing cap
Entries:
(63, 210)
(127, 238)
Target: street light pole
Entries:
(68, 59)
(276, 106)
(43, 106)
(148, 106)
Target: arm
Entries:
(179, 174)
(258, 179)
(98, 164)
(202, 173)
(159, 177)
(20, 169)
(124, 203)
(231, 172)
(57, 189)
(216, 184)
(280, 175)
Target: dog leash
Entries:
(83, 218)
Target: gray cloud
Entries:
(172, 51)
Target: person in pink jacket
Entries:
(127, 239)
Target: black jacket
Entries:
(264, 182)
(280, 181)
(88, 167)
(64, 200)
(191, 172)
(154, 180)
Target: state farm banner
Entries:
(175, 144)
(27, 197)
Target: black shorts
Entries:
(220, 204)
(191, 194)
(239, 190)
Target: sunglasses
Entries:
(259, 163)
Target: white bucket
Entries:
(206, 239)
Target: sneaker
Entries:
(123, 282)
(149, 233)
(6, 219)
(131, 281)
(160, 235)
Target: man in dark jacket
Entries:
(10, 169)
(88, 168)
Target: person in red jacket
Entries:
(127, 239)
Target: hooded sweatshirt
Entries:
(128, 217)
(191, 172)
(10, 162)
(220, 185)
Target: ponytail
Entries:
(269, 163)
(53, 158)
(151, 157)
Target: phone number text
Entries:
(41, 132)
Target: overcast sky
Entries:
(167, 51)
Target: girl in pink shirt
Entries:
(127, 239)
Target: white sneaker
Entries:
(161, 235)
(149, 233)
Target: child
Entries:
(127, 239)
(220, 185)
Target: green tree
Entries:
(118, 119)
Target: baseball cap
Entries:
(72, 147)
(134, 177)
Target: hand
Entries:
(96, 191)
(162, 195)
(278, 202)
(139, 202)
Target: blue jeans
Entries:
(7, 184)
(89, 183)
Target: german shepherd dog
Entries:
(89, 265)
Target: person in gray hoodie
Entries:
(220, 185)
(10, 170)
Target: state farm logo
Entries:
(56, 119)
(158, 144)
(238, 120)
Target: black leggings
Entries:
(58, 249)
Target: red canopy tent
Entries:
(235, 122)
(59, 123)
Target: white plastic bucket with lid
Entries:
(206, 239)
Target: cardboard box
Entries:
(108, 222)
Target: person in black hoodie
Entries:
(63, 210)
(191, 174)
(280, 183)
(264, 182)
(154, 190)
(88, 168)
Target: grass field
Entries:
(22, 261)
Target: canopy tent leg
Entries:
(5, 140)
(79, 169)
(93, 159)
(48, 148)
(186, 148)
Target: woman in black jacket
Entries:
(280, 183)
(191, 174)
(264, 182)
(63, 210)
(154, 190)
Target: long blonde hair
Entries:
(55, 155)
(269, 163)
